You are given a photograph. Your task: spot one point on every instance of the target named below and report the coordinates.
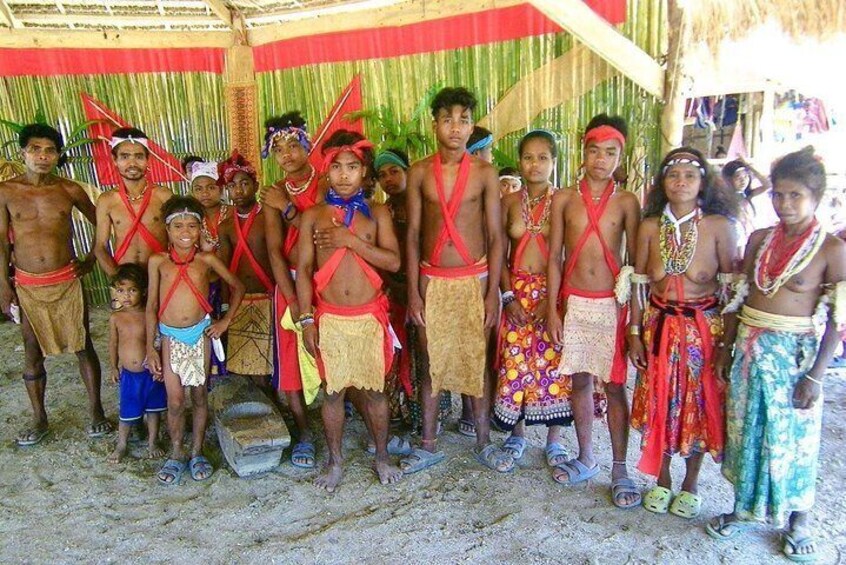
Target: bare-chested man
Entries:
(37, 206)
(287, 139)
(589, 222)
(133, 211)
(454, 254)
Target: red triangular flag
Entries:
(349, 101)
(737, 147)
(162, 166)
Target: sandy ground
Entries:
(62, 502)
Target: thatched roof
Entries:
(713, 21)
(167, 15)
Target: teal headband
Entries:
(388, 158)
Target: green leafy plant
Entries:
(73, 140)
(393, 132)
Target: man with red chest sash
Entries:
(589, 223)
(133, 211)
(454, 254)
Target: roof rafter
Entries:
(141, 21)
(8, 17)
(578, 19)
(113, 39)
(220, 10)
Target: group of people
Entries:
(535, 304)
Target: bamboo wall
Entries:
(185, 112)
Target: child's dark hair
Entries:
(509, 172)
(539, 134)
(287, 120)
(714, 196)
(179, 203)
(344, 137)
(134, 133)
(188, 161)
(802, 166)
(616, 122)
(46, 132)
(448, 97)
(132, 272)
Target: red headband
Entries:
(234, 164)
(604, 133)
(356, 149)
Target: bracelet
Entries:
(288, 209)
(634, 329)
(224, 307)
(306, 322)
(812, 379)
(305, 316)
(508, 297)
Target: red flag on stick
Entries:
(349, 101)
(162, 166)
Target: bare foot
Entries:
(331, 477)
(155, 452)
(388, 474)
(118, 454)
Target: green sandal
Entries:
(686, 505)
(657, 500)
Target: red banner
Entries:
(348, 101)
(162, 166)
(455, 32)
(57, 62)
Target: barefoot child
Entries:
(347, 239)
(177, 304)
(140, 393)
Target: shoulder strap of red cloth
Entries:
(302, 202)
(449, 210)
(242, 248)
(324, 275)
(137, 226)
(182, 276)
(594, 212)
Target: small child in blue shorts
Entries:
(140, 393)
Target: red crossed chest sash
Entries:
(536, 214)
(182, 276)
(242, 249)
(302, 202)
(594, 213)
(449, 231)
(137, 227)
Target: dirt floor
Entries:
(63, 503)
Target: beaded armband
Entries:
(641, 282)
(623, 285)
(739, 292)
(724, 282)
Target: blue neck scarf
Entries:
(349, 205)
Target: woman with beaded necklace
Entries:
(685, 243)
(529, 389)
(774, 406)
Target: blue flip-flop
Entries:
(420, 459)
(515, 446)
(575, 472)
(304, 450)
(173, 469)
(200, 464)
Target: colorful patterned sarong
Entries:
(250, 340)
(529, 385)
(772, 448)
(677, 404)
(54, 305)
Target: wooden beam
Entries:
(129, 39)
(8, 17)
(404, 13)
(220, 10)
(606, 41)
(147, 21)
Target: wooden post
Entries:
(241, 95)
(672, 116)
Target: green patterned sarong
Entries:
(772, 448)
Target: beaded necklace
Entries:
(677, 252)
(528, 206)
(297, 190)
(777, 262)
